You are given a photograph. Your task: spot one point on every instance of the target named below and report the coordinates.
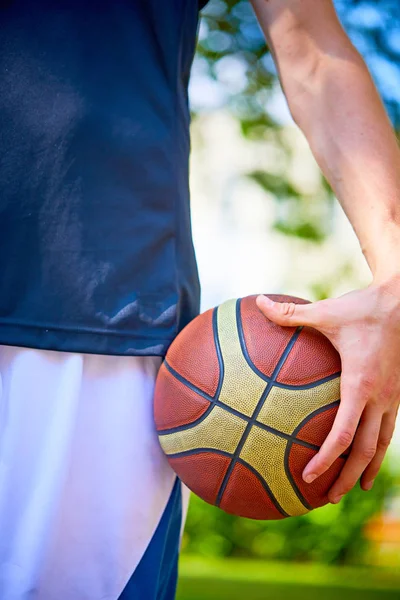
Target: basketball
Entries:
(242, 405)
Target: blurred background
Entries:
(265, 220)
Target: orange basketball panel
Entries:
(203, 472)
(245, 496)
(317, 428)
(194, 356)
(314, 493)
(265, 341)
(312, 358)
(175, 404)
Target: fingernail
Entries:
(337, 499)
(310, 478)
(368, 486)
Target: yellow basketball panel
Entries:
(284, 409)
(265, 452)
(241, 388)
(220, 430)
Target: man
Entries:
(98, 275)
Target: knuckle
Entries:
(384, 442)
(390, 386)
(385, 394)
(368, 452)
(366, 385)
(288, 309)
(344, 438)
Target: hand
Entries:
(364, 327)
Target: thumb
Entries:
(289, 314)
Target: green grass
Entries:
(251, 580)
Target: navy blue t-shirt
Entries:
(96, 252)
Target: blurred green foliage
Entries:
(232, 51)
(300, 214)
(333, 534)
(230, 36)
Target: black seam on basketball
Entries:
(285, 386)
(298, 441)
(277, 432)
(310, 416)
(213, 402)
(260, 373)
(204, 416)
(307, 386)
(265, 486)
(239, 460)
(290, 477)
(186, 382)
(219, 353)
(212, 399)
(289, 474)
(256, 412)
(316, 412)
(286, 436)
(233, 411)
(239, 326)
(199, 451)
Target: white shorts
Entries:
(83, 481)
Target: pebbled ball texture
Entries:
(241, 406)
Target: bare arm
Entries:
(333, 100)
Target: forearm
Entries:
(350, 135)
(334, 101)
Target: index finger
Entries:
(342, 433)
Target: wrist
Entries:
(388, 286)
(383, 256)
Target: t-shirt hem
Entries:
(93, 341)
